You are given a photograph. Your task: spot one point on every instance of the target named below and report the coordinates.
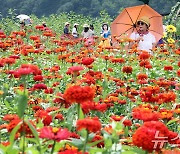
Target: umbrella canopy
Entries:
(125, 23)
(22, 17)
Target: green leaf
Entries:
(77, 143)
(83, 133)
(32, 150)
(132, 150)
(2, 148)
(7, 104)
(108, 143)
(96, 150)
(94, 143)
(126, 131)
(172, 121)
(81, 114)
(59, 145)
(32, 140)
(22, 103)
(14, 151)
(91, 136)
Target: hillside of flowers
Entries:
(60, 95)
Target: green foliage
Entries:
(90, 7)
(145, 1)
(22, 104)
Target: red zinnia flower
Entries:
(179, 63)
(39, 86)
(47, 119)
(87, 61)
(34, 68)
(10, 117)
(144, 113)
(178, 73)
(168, 68)
(100, 107)
(22, 128)
(144, 63)
(38, 78)
(127, 69)
(145, 135)
(90, 124)
(9, 60)
(79, 94)
(36, 108)
(97, 138)
(127, 122)
(57, 134)
(59, 116)
(144, 55)
(48, 91)
(142, 76)
(117, 60)
(72, 151)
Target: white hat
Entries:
(76, 24)
(85, 25)
(67, 23)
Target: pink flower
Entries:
(57, 134)
(76, 68)
(24, 71)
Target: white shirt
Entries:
(146, 43)
(74, 32)
(87, 34)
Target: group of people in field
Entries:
(88, 32)
(144, 39)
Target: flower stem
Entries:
(78, 110)
(52, 150)
(23, 133)
(86, 140)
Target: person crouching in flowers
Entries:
(75, 31)
(106, 36)
(144, 39)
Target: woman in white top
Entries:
(146, 40)
(87, 33)
(74, 31)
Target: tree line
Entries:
(87, 8)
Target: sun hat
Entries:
(145, 19)
(67, 23)
(85, 25)
(76, 24)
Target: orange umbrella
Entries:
(125, 23)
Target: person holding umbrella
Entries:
(145, 40)
(126, 24)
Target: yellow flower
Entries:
(170, 40)
(164, 34)
(170, 28)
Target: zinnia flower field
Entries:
(60, 95)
